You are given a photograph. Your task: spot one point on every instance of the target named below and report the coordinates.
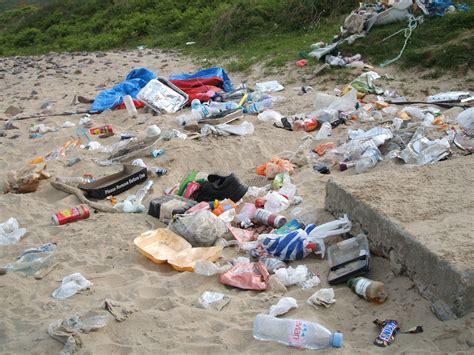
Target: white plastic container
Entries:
(296, 333)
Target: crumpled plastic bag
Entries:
(33, 259)
(365, 83)
(269, 86)
(274, 167)
(119, 310)
(423, 151)
(201, 229)
(67, 330)
(283, 306)
(10, 232)
(291, 276)
(71, 285)
(466, 120)
(208, 268)
(213, 300)
(323, 297)
(247, 276)
(244, 129)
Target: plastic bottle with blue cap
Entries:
(296, 333)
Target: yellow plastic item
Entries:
(162, 245)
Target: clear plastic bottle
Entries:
(257, 107)
(143, 191)
(296, 333)
(198, 110)
(373, 291)
(324, 131)
(216, 107)
(130, 106)
(368, 160)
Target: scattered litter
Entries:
(119, 310)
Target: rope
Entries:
(413, 23)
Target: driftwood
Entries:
(81, 196)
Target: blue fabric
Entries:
(133, 83)
(291, 246)
(207, 73)
(439, 7)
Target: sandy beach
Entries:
(101, 248)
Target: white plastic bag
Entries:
(71, 285)
(283, 306)
(10, 232)
(291, 276)
(244, 129)
(269, 86)
(276, 202)
(270, 116)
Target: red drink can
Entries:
(71, 215)
(101, 130)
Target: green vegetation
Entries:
(241, 32)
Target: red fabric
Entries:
(138, 104)
(201, 89)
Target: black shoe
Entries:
(221, 187)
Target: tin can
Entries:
(157, 152)
(71, 215)
(160, 171)
(269, 219)
(101, 130)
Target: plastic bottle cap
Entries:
(337, 339)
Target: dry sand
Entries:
(101, 248)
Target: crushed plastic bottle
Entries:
(368, 160)
(31, 260)
(257, 107)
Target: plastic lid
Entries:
(337, 339)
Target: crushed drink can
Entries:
(71, 215)
(101, 130)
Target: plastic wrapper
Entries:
(67, 330)
(274, 167)
(270, 116)
(365, 83)
(283, 306)
(31, 260)
(213, 300)
(10, 232)
(323, 297)
(247, 276)
(201, 229)
(244, 129)
(71, 285)
(208, 268)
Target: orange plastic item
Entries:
(274, 167)
(37, 161)
(403, 115)
(323, 148)
(221, 207)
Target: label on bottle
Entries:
(297, 331)
(361, 287)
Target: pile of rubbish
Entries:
(269, 224)
(379, 13)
